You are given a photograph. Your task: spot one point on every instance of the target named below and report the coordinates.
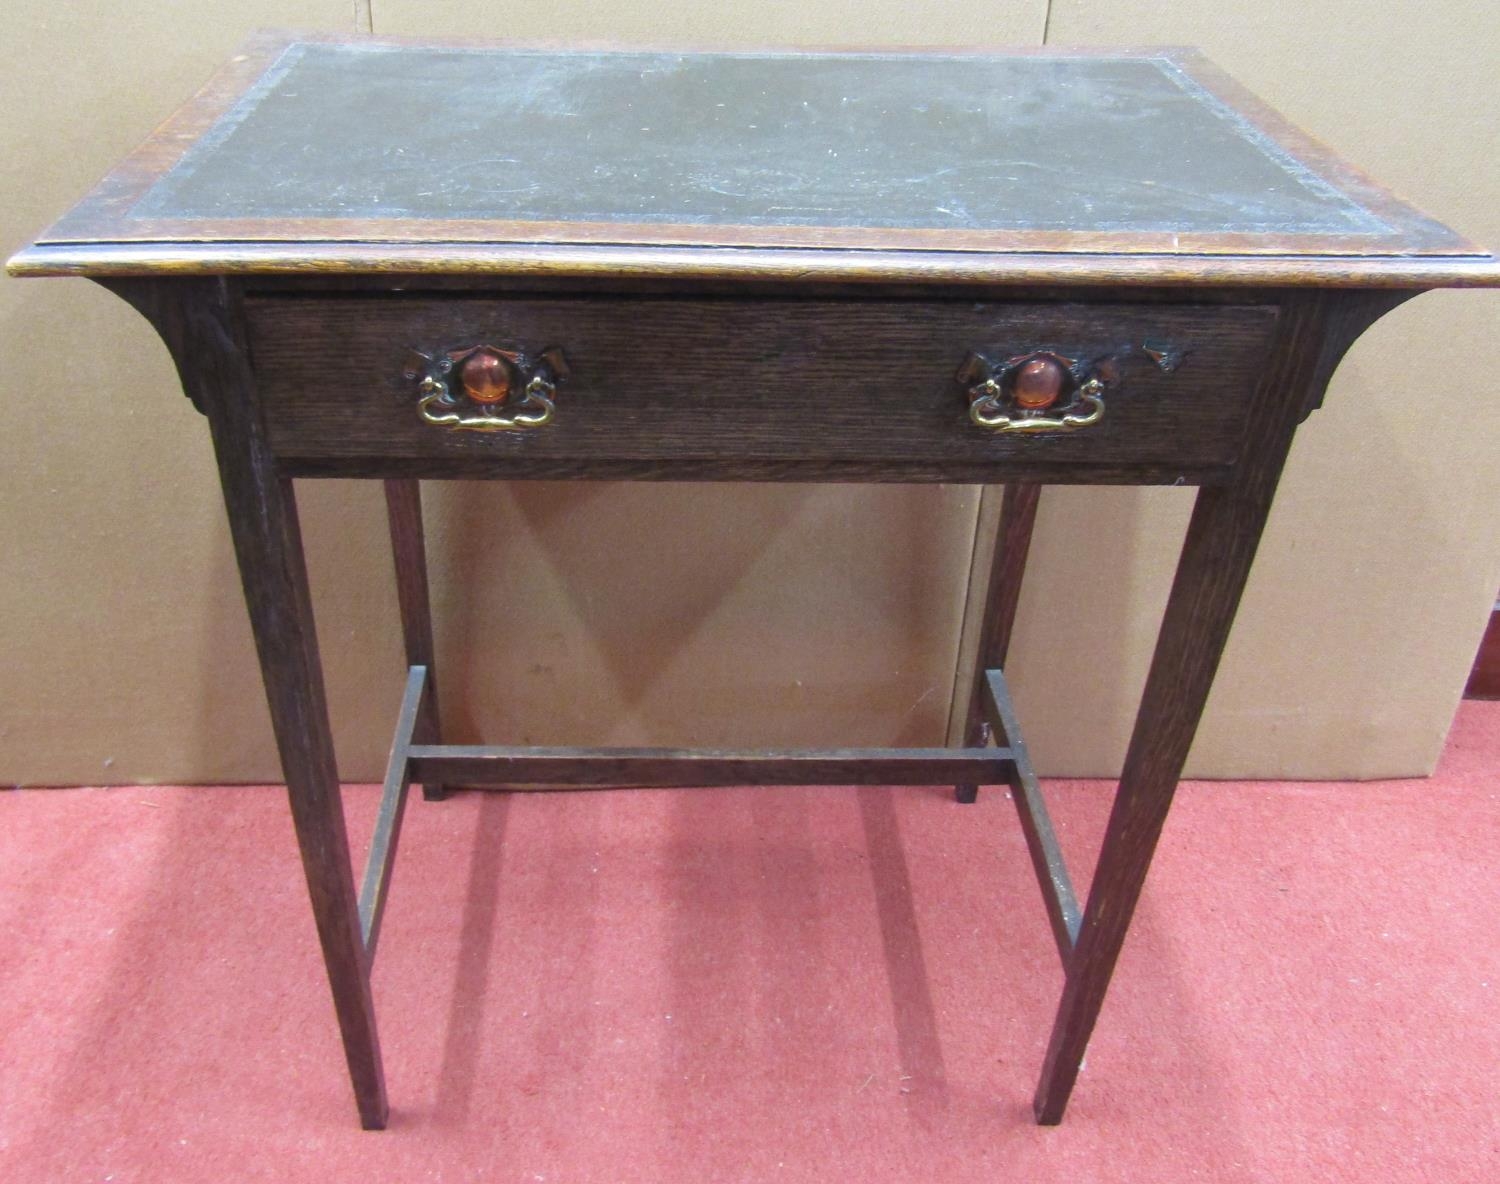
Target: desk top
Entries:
(362, 154)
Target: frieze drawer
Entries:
(940, 390)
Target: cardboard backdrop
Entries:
(740, 614)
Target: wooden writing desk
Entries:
(387, 260)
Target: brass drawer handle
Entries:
(485, 388)
(1039, 391)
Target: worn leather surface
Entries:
(998, 142)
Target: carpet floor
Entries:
(758, 985)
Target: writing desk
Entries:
(388, 260)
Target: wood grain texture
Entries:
(802, 384)
(403, 500)
(1236, 452)
(1221, 542)
(102, 237)
(731, 363)
(748, 469)
(601, 768)
(113, 213)
(1047, 860)
(1001, 597)
(1347, 319)
(381, 861)
(612, 262)
(200, 323)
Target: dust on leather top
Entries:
(943, 143)
(333, 140)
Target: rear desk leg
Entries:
(1002, 595)
(403, 501)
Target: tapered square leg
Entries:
(403, 500)
(998, 617)
(1215, 561)
(199, 322)
(1222, 537)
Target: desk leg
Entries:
(403, 502)
(263, 520)
(1002, 595)
(1221, 541)
(201, 328)
(1314, 331)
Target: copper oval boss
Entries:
(1039, 383)
(486, 377)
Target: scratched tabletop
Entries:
(320, 139)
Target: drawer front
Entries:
(663, 386)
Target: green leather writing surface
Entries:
(927, 141)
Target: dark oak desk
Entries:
(398, 261)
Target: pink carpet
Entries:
(746, 985)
